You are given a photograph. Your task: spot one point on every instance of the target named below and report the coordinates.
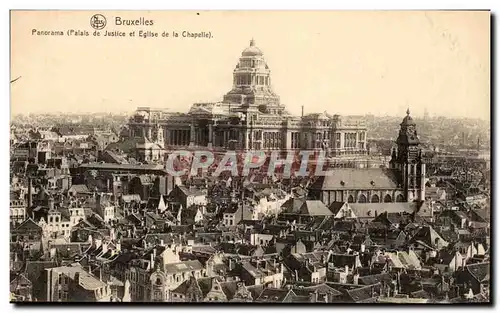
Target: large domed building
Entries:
(250, 116)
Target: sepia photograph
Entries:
(313, 157)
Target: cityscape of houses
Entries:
(96, 217)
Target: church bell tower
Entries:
(408, 160)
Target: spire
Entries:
(408, 111)
(252, 42)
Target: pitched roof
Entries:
(273, 295)
(112, 166)
(28, 224)
(186, 266)
(292, 205)
(314, 208)
(375, 279)
(367, 210)
(429, 237)
(79, 189)
(410, 260)
(357, 178)
(481, 271)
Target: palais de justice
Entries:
(250, 116)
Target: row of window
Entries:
(63, 279)
(246, 79)
(16, 212)
(375, 199)
(250, 63)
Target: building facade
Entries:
(250, 116)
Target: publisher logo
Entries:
(98, 21)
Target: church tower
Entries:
(408, 160)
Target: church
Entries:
(402, 181)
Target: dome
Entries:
(252, 50)
(408, 120)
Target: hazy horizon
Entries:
(343, 62)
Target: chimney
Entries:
(118, 246)
(355, 279)
(77, 277)
(30, 192)
(104, 247)
(362, 248)
(98, 243)
(152, 259)
(162, 243)
(313, 297)
(53, 252)
(347, 269)
(51, 203)
(302, 114)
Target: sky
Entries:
(341, 62)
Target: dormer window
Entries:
(342, 183)
(372, 183)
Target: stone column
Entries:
(192, 135)
(245, 142)
(210, 135)
(288, 139)
(241, 138)
(342, 141)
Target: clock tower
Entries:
(407, 159)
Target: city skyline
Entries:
(448, 60)
(250, 157)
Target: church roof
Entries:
(357, 178)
